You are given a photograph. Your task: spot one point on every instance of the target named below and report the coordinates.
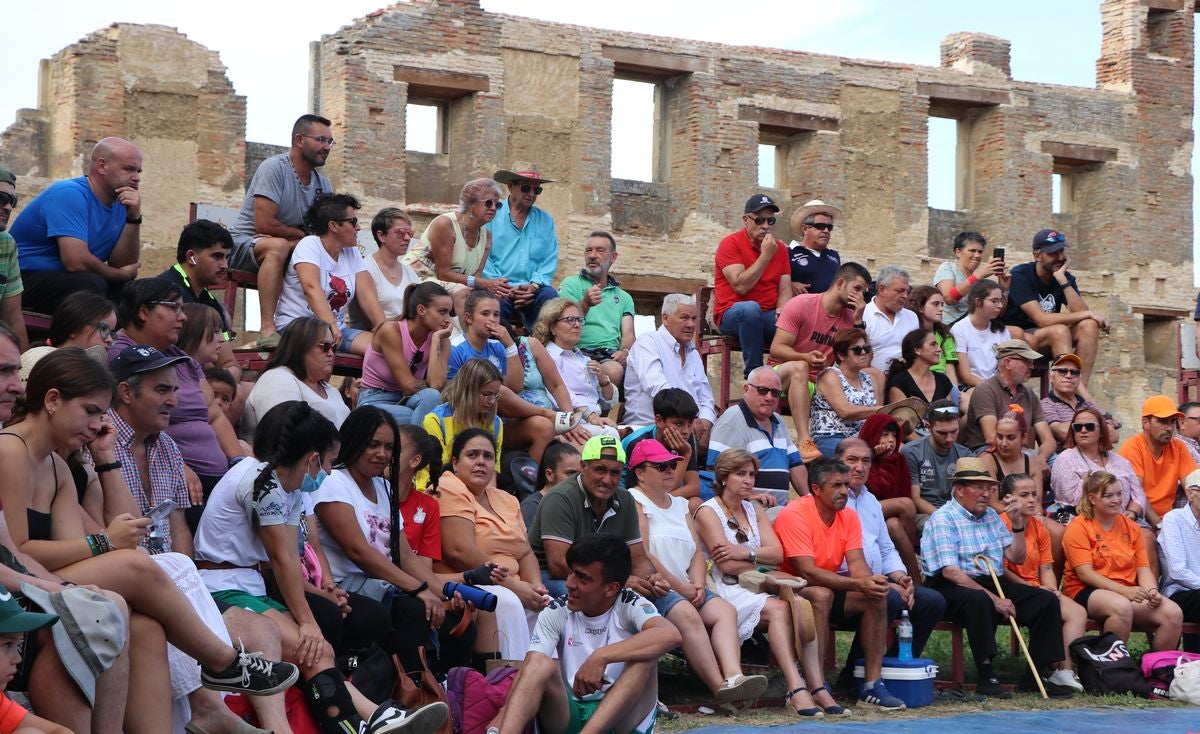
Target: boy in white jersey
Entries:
(592, 664)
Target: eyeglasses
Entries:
(7, 199)
(321, 139)
(738, 534)
(823, 226)
(104, 331)
(175, 306)
(662, 466)
(765, 391)
(1068, 371)
(860, 350)
(416, 360)
(572, 320)
(526, 188)
(1089, 427)
(352, 220)
(326, 346)
(994, 301)
(489, 397)
(490, 203)
(760, 220)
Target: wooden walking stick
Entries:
(1011, 620)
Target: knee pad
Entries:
(330, 703)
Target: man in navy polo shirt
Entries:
(814, 263)
(1039, 291)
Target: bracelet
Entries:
(134, 221)
(972, 279)
(99, 543)
(470, 281)
(510, 351)
(424, 585)
(101, 468)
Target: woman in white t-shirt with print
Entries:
(976, 336)
(327, 271)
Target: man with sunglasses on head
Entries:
(272, 218)
(752, 281)
(931, 459)
(524, 245)
(1063, 400)
(1039, 292)
(10, 269)
(84, 234)
(814, 264)
(754, 425)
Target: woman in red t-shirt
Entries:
(1107, 570)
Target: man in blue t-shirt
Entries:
(83, 234)
(1036, 298)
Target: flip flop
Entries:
(565, 422)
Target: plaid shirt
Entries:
(165, 465)
(953, 537)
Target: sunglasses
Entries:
(416, 360)
(760, 220)
(326, 346)
(765, 391)
(7, 199)
(352, 220)
(490, 203)
(662, 466)
(526, 188)
(950, 411)
(860, 350)
(823, 226)
(738, 534)
(1067, 371)
(1089, 427)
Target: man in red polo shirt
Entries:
(752, 279)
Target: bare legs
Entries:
(272, 256)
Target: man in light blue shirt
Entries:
(524, 246)
(1179, 543)
(925, 606)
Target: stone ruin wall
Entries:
(850, 131)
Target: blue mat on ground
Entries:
(1096, 720)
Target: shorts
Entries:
(581, 711)
(239, 598)
(348, 335)
(922, 518)
(1082, 596)
(812, 386)
(664, 604)
(242, 256)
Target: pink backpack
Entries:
(1159, 669)
(475, 700)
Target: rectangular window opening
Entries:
(424, 127)
(768, 166)
(1057, 181)
(943, 164)
(635, 126)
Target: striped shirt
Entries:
(953, 537)
(737, 428)
(164, 463)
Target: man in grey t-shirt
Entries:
(271, 221)
(931, 459)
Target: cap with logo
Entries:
(603, 447)
(1049, 241)
(1068, 357)
(141, 358)
(758, 202)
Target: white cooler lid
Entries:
(924, 673)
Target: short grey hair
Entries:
(675, 300)
(477, 190)
(888, 273)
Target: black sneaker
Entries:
(1053, 690)
(249, 673)
(392, 717)
(991, 688)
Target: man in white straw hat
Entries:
(524, 245)
(813, 263)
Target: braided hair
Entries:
(301, 431)
(429, 450)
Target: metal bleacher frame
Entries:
(253, 359)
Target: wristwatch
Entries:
(753, 556)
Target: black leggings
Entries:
(410, 630)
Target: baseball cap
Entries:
(758, 202)
(140, 358)
(1192, 480)
(6, 176)
(1049, 240)
(597, 446)
(1068, 357)
(15, 619)
(1160, 406)
(650, 449)
(1015, 348)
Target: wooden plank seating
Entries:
(711, 341)
(1189, 628)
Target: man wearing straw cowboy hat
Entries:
(958, 532)
(524, 245)
(813, 263)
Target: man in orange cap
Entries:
(1159, 459)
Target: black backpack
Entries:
(1105, 666)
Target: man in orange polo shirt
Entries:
(818, 533)
(751, 281)
(1159, 459)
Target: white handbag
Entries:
(1186, 684)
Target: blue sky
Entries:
(1055, 42)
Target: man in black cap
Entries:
(752, 280)
(1038, 293)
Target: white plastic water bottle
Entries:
(904, 632)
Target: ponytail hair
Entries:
(302, 430)
(71, 372)
(421, 294)
(429, 451)
(908, 351)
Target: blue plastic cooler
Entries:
(911, 681)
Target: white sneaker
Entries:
(390, 717)
(1066, 678)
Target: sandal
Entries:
(761, 582)
(835, 709)
(265, 343)
(809, 713)
(565, 422)
(741, 688)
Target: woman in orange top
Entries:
(1107, 569)
(481, 526)
(1038, 569)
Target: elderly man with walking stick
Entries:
(958, 532)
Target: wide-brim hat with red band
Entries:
(520, 173)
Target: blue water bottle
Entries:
(904, 633)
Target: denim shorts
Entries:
(664, 604)
(348, 335)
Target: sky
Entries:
(264, 45)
